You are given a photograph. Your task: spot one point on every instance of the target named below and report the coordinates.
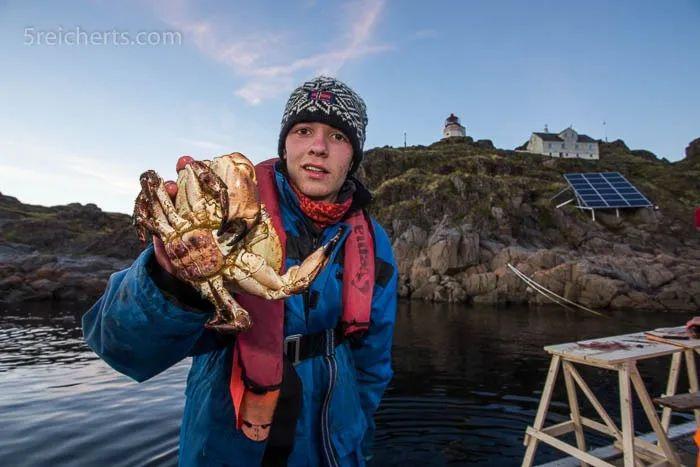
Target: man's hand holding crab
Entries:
(217, 236)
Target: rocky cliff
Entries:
(61, 252)
(458, 212)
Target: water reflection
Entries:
(39, 334)
(467, 382)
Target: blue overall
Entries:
(141, 330)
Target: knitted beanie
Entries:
(330, 101)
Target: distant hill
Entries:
(73, 229)
(460, 179)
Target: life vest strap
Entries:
(300, 347)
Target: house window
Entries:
(549, 145)
(590, 146)
(561, 154)
(577, 146)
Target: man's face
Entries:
(318, 159)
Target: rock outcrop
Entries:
(460, 212)
(26, 274)
(61, 252)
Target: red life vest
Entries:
(257, 355)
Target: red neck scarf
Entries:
(322, 213)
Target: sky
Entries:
(93, 93)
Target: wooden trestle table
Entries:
(621, 355)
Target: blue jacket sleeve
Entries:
(372, 354)
(136, 329)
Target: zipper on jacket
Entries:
(307, 292)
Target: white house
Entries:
(566, 143)
(453, 127)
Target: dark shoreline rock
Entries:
(34, 276)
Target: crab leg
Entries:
(149, 217)
(253, 275)
(214, 186)
(230, 316)
(141, 217)
(190, 201)
(167, 220)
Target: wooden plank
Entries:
(586, 361)
(531, 443)
(660, 336)
(610, 451)
(638, 353)
(575, 410)
(692, 377)
(650, 411)
(637, 347)
(602, 413)
(644, 449)
(626, 415)
(600, 427)
(559, 429)
(671, 387)
(680, 402)
(643, 455)
(569, 449)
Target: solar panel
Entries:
(601, 190)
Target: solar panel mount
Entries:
(605, 190)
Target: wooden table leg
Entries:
(671, 387)
(614, 430)
(626, 414)
(692, 377)
(575, 410)
(650, 410)
(531, 442)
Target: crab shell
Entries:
(227, 222)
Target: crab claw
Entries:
(242, 212)
(239, 324)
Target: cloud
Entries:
(264, 59)
(106, 174)
(45, 175)
(206, 145)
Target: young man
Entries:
(337, 360)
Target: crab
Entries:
(220, 238)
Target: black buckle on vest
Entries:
(299, 347)
(292, 348)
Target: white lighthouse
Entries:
(453, 127)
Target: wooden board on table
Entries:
(674, 336)
(681, 402)
(612, 350)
